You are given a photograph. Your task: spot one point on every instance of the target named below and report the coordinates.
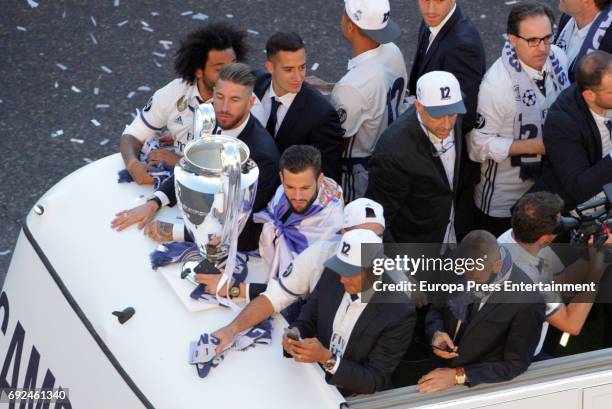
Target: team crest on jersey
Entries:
(480, 121)
(357, 15)
(288, 270)
(529, 98)
(147, 107)
(181, 104)
(178, 120)
(342, 115)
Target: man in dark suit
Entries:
(232, 102)
(418, 170)
(448, 41)
(295, 112)
(491, 339)
(359, 341)
(577, 134)
(581, 27)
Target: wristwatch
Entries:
(460, 377)
(234, 290)
(156, 200)
(330, 363)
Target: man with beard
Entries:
(577, 134)
(305, 209)
(233, 99)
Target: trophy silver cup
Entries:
(215, 184)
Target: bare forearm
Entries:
(255, 312)
(533, 146)
(571, 318)
(130, 148)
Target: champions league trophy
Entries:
(215, 184)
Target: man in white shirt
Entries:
(359, 343)
(534, 228)
(584, 26)
(370, 96)
(301, 277)
(507, 138)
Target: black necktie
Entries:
(424, 42)
(609, 126)
(271, 125)
(354, 297)
(542, 84)
(217, 130)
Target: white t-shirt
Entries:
(370, 96)
(489, 142)
(539, 269)
(172, 107)
(302, 275)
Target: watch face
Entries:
(234, 291)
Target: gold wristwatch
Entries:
(234, 291)
(460, 377)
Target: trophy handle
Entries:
(231, 175)
(204, 120)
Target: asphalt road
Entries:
(75, 71)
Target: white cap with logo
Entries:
(350, 259)
(361, 211)
(440, 94)
(372, 17)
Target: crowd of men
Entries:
(456, 154)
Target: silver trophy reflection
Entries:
(215, 184)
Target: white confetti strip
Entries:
(124, 22)
(166, 44)
(483, 16)
(314, 67)
(20, 28)
(229, 15)
(116, 3)
(131, 94)
(64, 14)
(75, 89)
(106, 69)
(158, 65)
(95, 122)
(160, 55)
(200, 16)
(32, 4)
(1, 101)
(61, 66)
(87, 160)
(104, 141)
(144, 23)
(149, 29)
(4, 252)
(509, 3)
(96, 91)
(253, 32)
(75, 140)
(93, 39)
(57, 133)
(187, 13)
(154, 13)
(56, 85)
(144, 88)
(93, 21)
(102, 106)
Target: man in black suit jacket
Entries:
(577, 135)
(232, 102)
(571, 35)
(295, 112)
(359, 342)
(418, 170)
(493, 338)
(448, 41)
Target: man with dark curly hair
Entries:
(198, 61)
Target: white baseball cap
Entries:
(372, 17)
(348, 260)
(361, 211)
(440, 94)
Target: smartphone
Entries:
(293, 333)
(446, 348)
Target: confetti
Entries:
(154, 13)
(20, 28)
(102, 106)
(509, 3)
(166, 44)
(57, 133)
(124, 22)
(4, 252)
(229, 15)
(61, 66)
(96, 91)
(200, 16)
(187, 13)
(160, 55)
(149, 29)
(106, 69)
(75, 89)
(253, 32)
(483, 16)
(64, 14)
(158, 65)
(87, 160)
(116, 3)
(314, 67)
(75, 140)
(144, 23)
(32, 4)
(144, 88)
(93, 39)
(104, 141)
(95, 122)
(56, 85)
(1, 101)
(131, 94)
(93, 21)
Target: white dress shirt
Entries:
(347, 314)
(435, 30)
(576, 39)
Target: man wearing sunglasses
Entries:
(514, 98)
